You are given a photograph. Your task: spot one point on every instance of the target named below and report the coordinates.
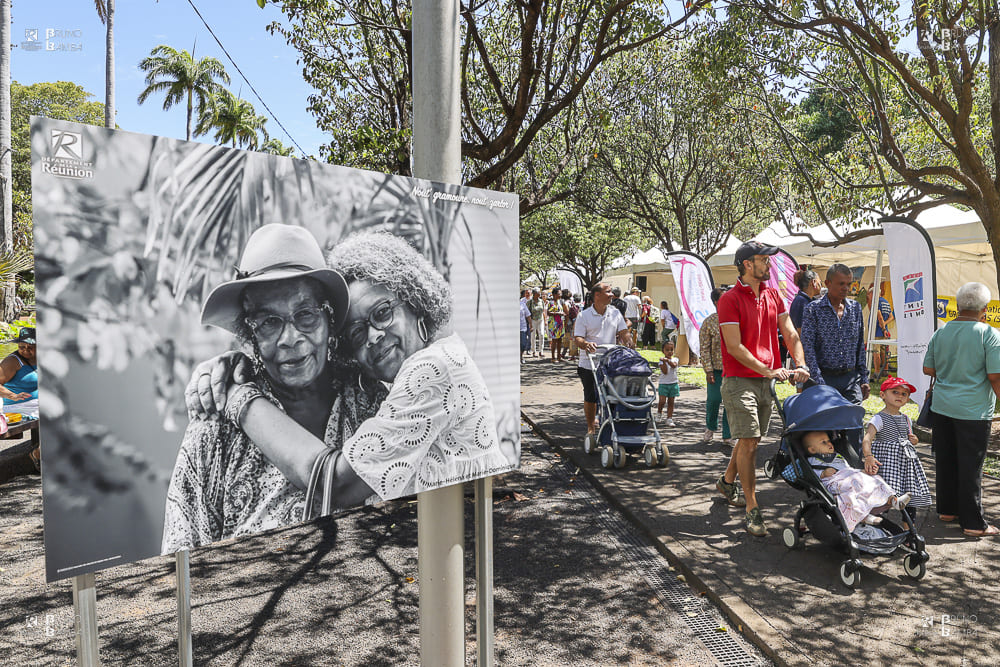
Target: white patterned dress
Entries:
(899, 464)
(857, 492)
(435, 428)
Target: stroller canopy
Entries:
(821, 408)
(624, 361)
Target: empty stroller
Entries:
(822, 408)
(625, 397)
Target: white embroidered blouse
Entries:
(435, 428)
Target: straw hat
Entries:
(275, 252)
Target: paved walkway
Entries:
(791, 603)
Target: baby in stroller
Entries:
(860, 497)
(816, 459)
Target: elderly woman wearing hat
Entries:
(19, 376)
(286, 307)
(436, 425)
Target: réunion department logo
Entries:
(68, 145)
(913, 294)
(66, 151)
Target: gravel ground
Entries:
(344, 591)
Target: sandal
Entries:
(947, 518)
(986, 532)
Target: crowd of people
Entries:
(823, 332)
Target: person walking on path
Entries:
(809, 290)
(750, 316)
(557, 324)
(617, 301)
(525, 318)
(600, 324)
(710, 339)
(537, 309)
(633, 307)
(833, 340)
(963, 357)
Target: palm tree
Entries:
(275, 147)
(180, 76)
(233, 120)
(106, 12)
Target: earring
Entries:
(422, 329)
(257, 361)
(331, 347)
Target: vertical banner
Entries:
(694, 284)
(911, 270)
(783, 268)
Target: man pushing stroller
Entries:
(750, 316)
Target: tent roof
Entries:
(956, 234)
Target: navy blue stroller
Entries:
(625, 398)
(822, 408)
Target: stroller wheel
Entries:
(792, 538)
(650, 457)
(769, 469)
(607, 456)
(850, 573)
(589, 443)
(664, 455)
(621, 457)
(914, 566)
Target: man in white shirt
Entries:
(633, 306)
(598, 325)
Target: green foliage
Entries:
(9, 330)
(522, 67)
(181, 78)
(562, 236)
(672, 156)
(231, 120)
(275, 147)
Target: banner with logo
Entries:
(153, 255)
(947, 310)
(911, 272)
(694, 284)
(783, 268)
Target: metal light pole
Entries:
(437, 156)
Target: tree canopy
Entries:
(179, 77)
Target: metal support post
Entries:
(484, 572)
(185, 652)
(440, 556)
(872, 314)
(85, 608)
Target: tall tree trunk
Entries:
(109, 72)
(6, 178)
(190, 109)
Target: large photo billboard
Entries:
(233, 341)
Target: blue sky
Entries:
(141, 25)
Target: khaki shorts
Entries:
(748, 405)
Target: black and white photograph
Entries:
(235, 341)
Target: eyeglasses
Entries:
(306, 320)
(379, 317)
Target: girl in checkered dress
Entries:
(888, 447)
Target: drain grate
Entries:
(698, 613)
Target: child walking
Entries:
(888, 447)
(669, 388)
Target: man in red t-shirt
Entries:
(750, 316)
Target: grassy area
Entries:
(992, 466)
(694, 375)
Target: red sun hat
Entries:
(892, 383)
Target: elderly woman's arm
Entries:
(293, 450)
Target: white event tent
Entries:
(962, 252)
